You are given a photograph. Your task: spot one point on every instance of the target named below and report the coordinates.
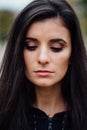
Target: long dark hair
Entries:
(13, 81)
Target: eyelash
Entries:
(54, 49)
(30, 48)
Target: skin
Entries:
(47, 56)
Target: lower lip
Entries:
(43, 74)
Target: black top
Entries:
(40, 121)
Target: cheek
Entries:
(29, 61)
(61, 68)
(28, 58)
(62, 62)
(65, 56)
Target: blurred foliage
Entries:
(83, 4)
(80, 7)
(6, 19)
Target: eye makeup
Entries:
(30, 43)
(56, 49)
(30, 48)
(56, 45)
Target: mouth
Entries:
(43, 72)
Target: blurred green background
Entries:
(7, 17)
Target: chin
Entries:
(45, 84)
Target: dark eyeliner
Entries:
(30, 48)
(56, 49)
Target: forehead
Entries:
(51, 27)
(56, 20)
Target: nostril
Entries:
(43, 62)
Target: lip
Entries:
(43, 72)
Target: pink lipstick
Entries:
(43, 73)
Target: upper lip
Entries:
(44, 71)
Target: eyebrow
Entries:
(52, 40)
(30, 38)
(58, 40)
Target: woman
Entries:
(43, 74)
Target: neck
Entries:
(50, 100)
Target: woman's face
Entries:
(47, 52)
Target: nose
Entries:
(43, 57)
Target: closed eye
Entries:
(30, 43)
(57, 44)
(30, 48)
(56, 49)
